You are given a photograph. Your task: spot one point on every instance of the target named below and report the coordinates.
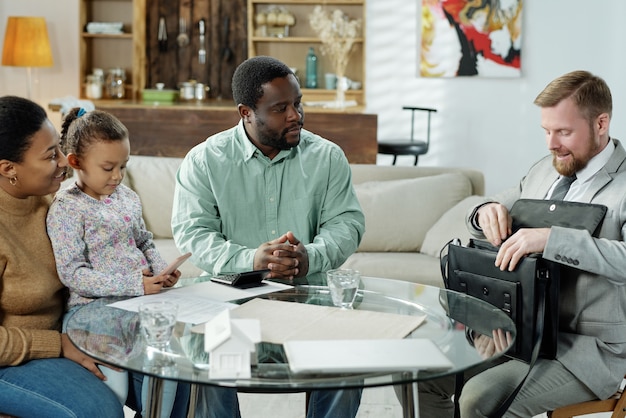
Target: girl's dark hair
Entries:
(249, 77)
(80, 132)
(20, 120)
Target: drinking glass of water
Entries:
(157, 320)
(343, 284)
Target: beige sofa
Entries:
(410, 213)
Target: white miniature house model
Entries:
(231, 345)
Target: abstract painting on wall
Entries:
(471, 38)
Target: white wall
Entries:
(490, 124)
(61, 79)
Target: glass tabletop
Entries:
(112, 335)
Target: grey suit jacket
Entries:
(592, 337)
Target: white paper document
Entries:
(362, 356)
(200, 302)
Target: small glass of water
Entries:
(343, 284)
(157, 320)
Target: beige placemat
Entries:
(285, 321)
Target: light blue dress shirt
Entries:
(230, 198)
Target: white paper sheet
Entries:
(284, 321)
(362, 356)
(200, 302)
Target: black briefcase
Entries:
(529, 294)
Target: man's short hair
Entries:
(252, 74)
(590, 93)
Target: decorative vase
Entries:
(342, 87)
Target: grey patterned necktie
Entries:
(562, 187)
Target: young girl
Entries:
(41, 372)
(98, 235)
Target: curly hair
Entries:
(252, 74)
(79, 132)
(20, 120)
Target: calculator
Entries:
(242, 280)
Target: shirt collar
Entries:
(596, 163)
(250, 150)
(248, 147)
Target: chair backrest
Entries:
(414, 109)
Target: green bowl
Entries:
(156, 95)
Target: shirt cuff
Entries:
(473, 218)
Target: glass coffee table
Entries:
(111, 335)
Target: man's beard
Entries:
(567, 168)
(274, 139)
(574, 164)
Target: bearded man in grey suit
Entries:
(591, 355)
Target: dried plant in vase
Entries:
(337, 32)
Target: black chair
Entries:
(411, 146)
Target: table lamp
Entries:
(26, 44)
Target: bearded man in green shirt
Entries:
(267, 194)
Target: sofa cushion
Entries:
(169, 252)
(451, 225)
(411, 267)
(398, 213)
(154, 179)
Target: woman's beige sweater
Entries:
(32, 297)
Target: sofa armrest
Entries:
(451, 225)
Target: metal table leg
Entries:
(410, 408)
(155, 395)
(193, 399)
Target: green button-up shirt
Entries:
(230, 198)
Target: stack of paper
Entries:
(362, 356)
(105, 27)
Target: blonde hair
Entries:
(590, 93)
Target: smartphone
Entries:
(175, 264)
(242, 280)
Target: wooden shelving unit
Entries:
(293, 48)
(125, 50)
(132, 51)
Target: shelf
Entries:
(320, 2)
(293, 39)
(292, 49)
(113, 50)
(107, 35)
(330, 91)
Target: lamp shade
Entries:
(26, 43)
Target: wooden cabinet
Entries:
(125, 50)
(293, 48)
(172, 130)
(145, 65)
